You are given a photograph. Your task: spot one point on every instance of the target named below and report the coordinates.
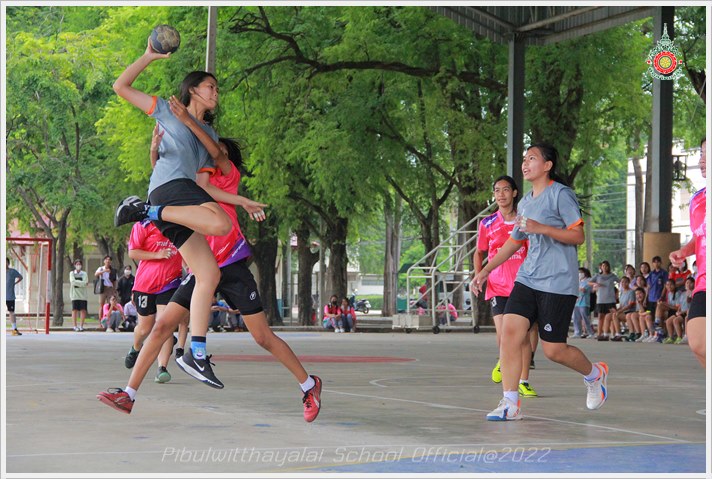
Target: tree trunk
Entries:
(60, 246)
(265, 257)
(307, 260)
(338, 260)
(287, 277)
(392, 212)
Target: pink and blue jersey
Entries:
(232, 247)
(492, 233)
(154, 276)
(698, 225)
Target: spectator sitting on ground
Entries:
(668, 305)
(347, 314)
(131, 316)
(234, 321)
(641, 282)
(676, 323)
(332, 319)
(626, 306)
(113, 315)
(641, 316)
(445, 311)
(680, 276)
(218, 311)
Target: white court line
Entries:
(447, 406)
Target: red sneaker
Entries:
(118, 399)
(312, 401)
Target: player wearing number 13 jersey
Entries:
(157, 278)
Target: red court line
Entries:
(268, 358)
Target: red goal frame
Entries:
(48, 283)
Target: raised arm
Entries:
(122, 85)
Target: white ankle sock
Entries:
(131, 392)
(593, 375)
(308, 384)
(512, 396)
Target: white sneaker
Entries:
(506, 411)
(643, 338)
(76, 329)
(597, 389)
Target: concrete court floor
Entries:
(421, 415)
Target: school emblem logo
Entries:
(664, 59)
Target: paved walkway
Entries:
(392, 403)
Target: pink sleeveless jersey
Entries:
(232, 247)
(493, 232)
(154, 276)
(698, 225)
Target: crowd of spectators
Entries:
(648, 305)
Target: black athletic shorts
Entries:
(10, 305)
(180, 192)
(698, 306)
(605, 308)
(79, 305)
(552, 312)
(146, 302)
(498, 303)
(237, 286)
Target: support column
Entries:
(212, 36)
(515, 109)
(661, 204)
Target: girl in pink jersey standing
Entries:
(696, 323)
(492, 233)
(157, 278)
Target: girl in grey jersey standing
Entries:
(546, 286)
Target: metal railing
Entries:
(444, 271)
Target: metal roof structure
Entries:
(541, 25)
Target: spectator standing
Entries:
(656, 283)
(605, 285)
(12, 277)
(78, 281)
(582, 311)
(644, 269)
(125, 285)
(630, 272)
(107, 273)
